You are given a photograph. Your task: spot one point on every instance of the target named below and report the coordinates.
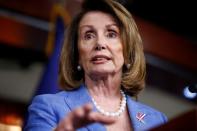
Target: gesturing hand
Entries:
(81, 117)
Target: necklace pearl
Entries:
(113, 114)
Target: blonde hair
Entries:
(133, 78)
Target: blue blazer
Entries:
(47, 110)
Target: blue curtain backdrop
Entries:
(49, 80)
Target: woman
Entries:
(102, 65)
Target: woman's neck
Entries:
(104, 86)
(105, 91)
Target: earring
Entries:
(79, 68)
(128, 66)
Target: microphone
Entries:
(193, 88)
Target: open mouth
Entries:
(100, 59)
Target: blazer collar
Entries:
(79, 97)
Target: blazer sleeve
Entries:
(165, 119)
(41, 116)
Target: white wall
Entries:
(17, 83)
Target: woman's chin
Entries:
(102, 71)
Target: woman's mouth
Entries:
(100, 59)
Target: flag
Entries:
(49, 80)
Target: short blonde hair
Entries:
(133, 78)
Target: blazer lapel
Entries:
(132, 112)
(79, 97)
(139, 115)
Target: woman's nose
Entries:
(99, 47)
(100, 44)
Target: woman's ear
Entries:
(79, 61)
(79, 66)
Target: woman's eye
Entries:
(112, 34)
(88, 36)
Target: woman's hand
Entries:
(81, 117)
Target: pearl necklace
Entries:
(113, 114)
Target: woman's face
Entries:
(99, 44)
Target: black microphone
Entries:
(193, 88)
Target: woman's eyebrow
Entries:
(112, 25)
(81, 28)
(85, 26)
